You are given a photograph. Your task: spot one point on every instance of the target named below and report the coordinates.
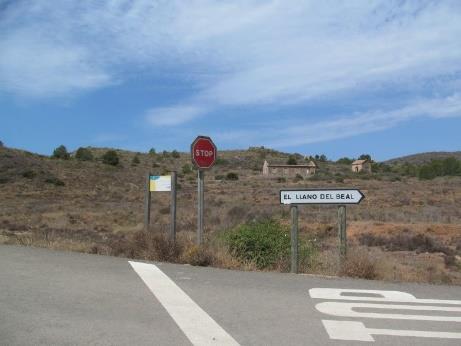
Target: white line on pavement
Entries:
(195, 323)
(351, 330)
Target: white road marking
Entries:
(341, 309)
(356, 331)
(351, 330)
(195, 323)
(374, 296)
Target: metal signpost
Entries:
(340, 197)
(161, 183)
(203, 155)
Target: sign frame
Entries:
(319, 189)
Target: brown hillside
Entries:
(94, 207)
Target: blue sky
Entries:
(335, 77)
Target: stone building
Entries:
(361, 166)
(289, 170)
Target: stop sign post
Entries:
(203, 155)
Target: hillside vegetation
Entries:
(92, 201)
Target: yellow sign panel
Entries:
(160, 183)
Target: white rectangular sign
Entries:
(160, 183)
(327, 196)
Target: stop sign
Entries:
(203, 152)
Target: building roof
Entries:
(309, 165)
(359, 162)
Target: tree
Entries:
(110, 158)
(165, 153)
(175, 154)
(1, 144)
(152, 151)
(345, 160)
(61, 153)
(322, 158)
(292, 160)
(83, 154)
(365, 157)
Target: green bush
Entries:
(152, 152)
(61, 153)
(232, 176)
(345, 161)
(186, 169)
(110, 158)
(292, 160)
(175, 154)
(438, 168)
(84, 154)
(262, 243)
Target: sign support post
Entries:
(173, 207)
(203, 155)
(147, 201)
(201, 188)
(339, 197)
(342, 232)
(294, 238)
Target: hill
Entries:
(94, 207)
(418, 159)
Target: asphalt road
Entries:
(60, 298)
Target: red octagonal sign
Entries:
(203, 152)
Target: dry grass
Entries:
(99, 210)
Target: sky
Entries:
(340, 78)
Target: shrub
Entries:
(1, 144)
(298, 177)
(197, 256)
(232, 176)
(61, 153)
(83, 154)
(292, 160)
(345, 161)
(405, 242)
(152, 151)
(165, 153)
(175, 154)
(262, 243)
(135, 161)
(186, 169)
(358, 264)
(219, 177)
(54, 181)
(281, 180)
(29, 174)
(110, 157)
(221, 161)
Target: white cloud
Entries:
(173, 116)
(346, 126)
(252, 51)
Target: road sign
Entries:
(160, 183)
(326, 196)
(203, 152)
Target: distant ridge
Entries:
(425, 157)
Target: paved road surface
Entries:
(59, 298)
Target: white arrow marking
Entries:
(195, 323)
(356, 331)
(346, 310)
(374, 296)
